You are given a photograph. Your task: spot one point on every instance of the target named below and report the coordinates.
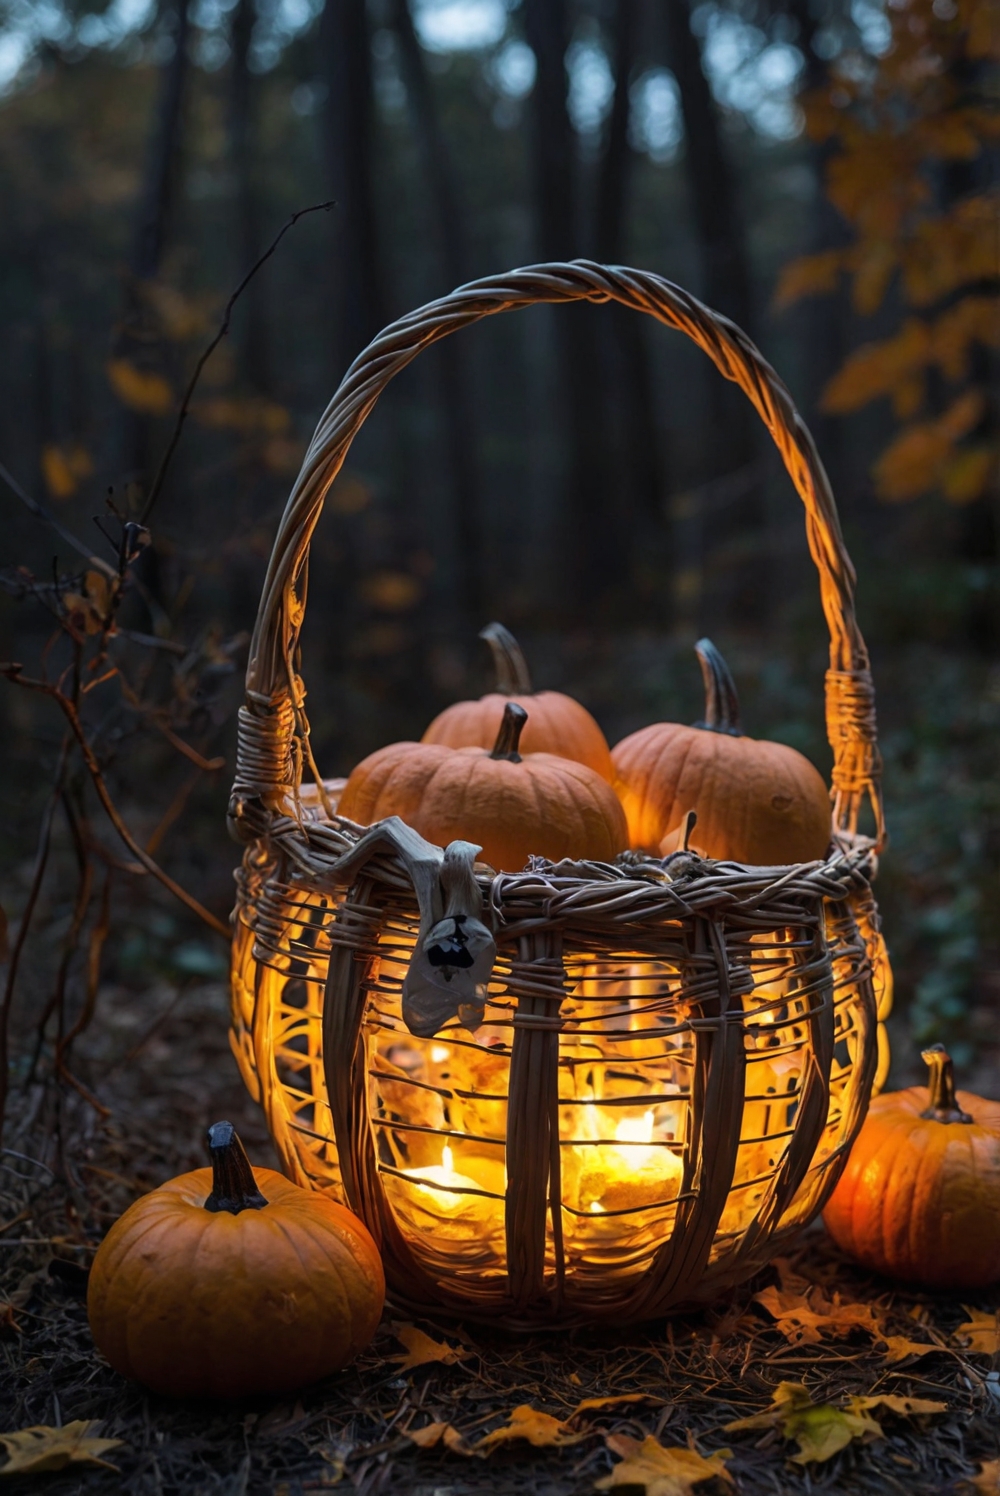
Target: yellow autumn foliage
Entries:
(924, 454)
(248, 415)
(891, 124)
(63, 468)
(140, 389)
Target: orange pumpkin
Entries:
(556, 723)
(230, 1281)
(756, 802)
(511, 806)
(919, 1198)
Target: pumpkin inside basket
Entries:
(580, 1091)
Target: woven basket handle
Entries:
(273, 735)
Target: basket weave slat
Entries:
(738, 1009)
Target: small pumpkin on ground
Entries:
(556, 723)
(919, 1199)
(512, 806)
(231, 1281)
(756, 802)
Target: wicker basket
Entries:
(652, 1072)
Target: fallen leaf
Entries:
(898, 1347)
(802, 1319)
(980, 1332)
(33, 1450)
(614, 1402)
(819, 1429)
(433, 1434)
(988, 1479)
(540, 1429)
(421, 1349)
(789, 1277)
(659, 1469)
(908, 1406)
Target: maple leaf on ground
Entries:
(422, 1350)
(661, 1470)
(980, 1332)
(802, 1318)
(525, 1422)
(31, 1451)
(898, 1347)
(819, 1429)
(433, 1434)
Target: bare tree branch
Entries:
(13, 673)
(40, 512)
(182, 414)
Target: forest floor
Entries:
(164, 1072)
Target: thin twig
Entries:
(41, 859)
(13, 672)
(182, 414)
(173, 810)
(98, 936)
(57, 997)
(40, 512)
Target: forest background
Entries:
(823, 172)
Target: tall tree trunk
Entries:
(594, 542)
(349, 127)
(713, 189)
(718, 223)
(823, 320)
(642, 459)
(454, 361)
(243, 147)
(161, 164)
(137, 337)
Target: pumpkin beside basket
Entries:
(580, 1091)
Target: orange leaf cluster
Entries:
(804, 1319)
(891, 124)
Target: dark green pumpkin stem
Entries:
(722, 705)
(509, 736)
(233, 1186)
(941, 1087)
(508, 661)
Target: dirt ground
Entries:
(163, 1072)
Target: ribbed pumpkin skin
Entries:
(556, 724)
(758, 803)
(200, 1304)
(543, 804)
(919, 1199)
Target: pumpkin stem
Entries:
(233, 1186)
(511, 667)
(722, 705)
(941, 1087)
(509, 736)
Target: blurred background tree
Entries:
(580, 474)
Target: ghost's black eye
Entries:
(449, 953)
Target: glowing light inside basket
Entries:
(445, 1174)
(436, 1197)
(636, 1170)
